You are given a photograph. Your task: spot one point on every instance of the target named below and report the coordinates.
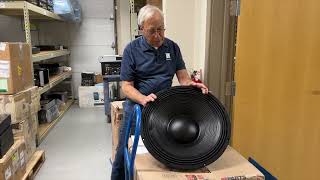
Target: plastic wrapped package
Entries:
(62, 7)
(70, 10)
(77, 11)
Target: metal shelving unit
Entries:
(44, 129)
(16, 8)
(54, 80)
(29, 11)
(43, 55)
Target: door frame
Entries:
(220, 56)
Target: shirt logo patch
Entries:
(168, 58)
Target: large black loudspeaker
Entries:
(185, 129)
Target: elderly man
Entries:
(148, 66)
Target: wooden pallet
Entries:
(34, 165)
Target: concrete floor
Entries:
(78, 147)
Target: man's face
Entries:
(153, 30)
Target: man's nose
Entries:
(157, 34)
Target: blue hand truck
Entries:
(130, 157)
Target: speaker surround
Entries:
(185, 129)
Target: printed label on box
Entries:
(19, 70)
(2, 45)
(195, 177)
(7, 173)
(4, 69)
(245, 177)
(3, 85)
(22, 161)
(15, 162)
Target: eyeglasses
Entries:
(153, 31)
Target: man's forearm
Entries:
(185, 82)
(132, 93)
(183, 77)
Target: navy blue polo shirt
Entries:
(151, 69)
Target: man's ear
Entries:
(140, 29)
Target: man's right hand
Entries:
(145, 99)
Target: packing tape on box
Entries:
(2, 45)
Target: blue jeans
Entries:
(118, 171)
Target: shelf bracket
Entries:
(27, 23)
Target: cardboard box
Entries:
(98, 78)
(47, 116)
(26, 127)
(91, 96)
(18, 106)
(21, 104)
(35, 100)
(116, 118)
(15, 67)
(35, 123)
(13, 164)
(30, 145)
(27, 131)
(31, 138)
(231, 165)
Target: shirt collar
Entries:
(146, 46)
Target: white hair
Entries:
(146, 12)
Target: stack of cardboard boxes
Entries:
(20, 99)
(26, 128)
(13, 163)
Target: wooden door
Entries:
(277, 72)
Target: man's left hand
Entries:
(201, 86)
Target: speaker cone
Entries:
(185, 129)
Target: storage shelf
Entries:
(43, 55)
(54, 80)
(15, 8)
(44, 129)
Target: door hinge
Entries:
(230, 88)
(234, 7)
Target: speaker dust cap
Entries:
(185, 129)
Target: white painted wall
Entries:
(186, 23)
(11, 29)
(179, 24)
(201, 32)
(92, 38)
